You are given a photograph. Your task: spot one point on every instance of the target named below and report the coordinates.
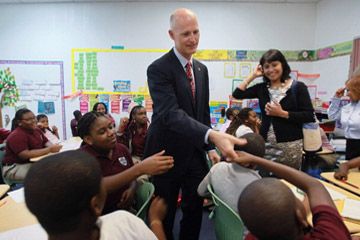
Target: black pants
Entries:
(168, 187)
(352, 148)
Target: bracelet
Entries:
(155, 222)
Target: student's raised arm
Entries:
(314, 189)
(153, 165)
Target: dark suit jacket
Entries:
(178, 125)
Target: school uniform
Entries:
(119, 162)
(15, 168)
(328, 225)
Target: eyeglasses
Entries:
(29, 119)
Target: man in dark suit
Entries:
(179, 88)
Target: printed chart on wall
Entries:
(103, 71)
(39, 86)
(118, 78)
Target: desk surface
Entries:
(14, 215)
(353, 178)
(70, 144)
(352, 225)
(3, 189)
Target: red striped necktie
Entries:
(190, 78)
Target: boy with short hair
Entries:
(270, 210)
(229, 179)
(66, 194)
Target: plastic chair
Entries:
(143, 196)
(228, 224)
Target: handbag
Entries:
(312, 142)
(311, 137)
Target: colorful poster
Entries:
(126, 100)
(46, 107)
(84, 107)
(115, 106)
(148, 104)
(122, 85)
(93, 98)
(215, 110)
(115, 103)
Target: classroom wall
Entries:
(50, 31)
(336, 21)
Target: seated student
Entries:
(51, 133)
(25, 141)
(134, 134)
(230, 114)
(74, 122)
(270, 210)
(4, 133)
(101, 107)
(70, 200)
(344, 168)
(229, 179)
(246, 121)
(99, 140)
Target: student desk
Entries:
(70, 144)
(14, 215)
(352, 225)
(3, 189)
(353, 178)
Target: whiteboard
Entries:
(41, 89)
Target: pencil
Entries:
(350, 184)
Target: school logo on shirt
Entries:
(123, 161)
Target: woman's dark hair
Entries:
(86, 122)
(275, 55)
(18, 117)
(238, 120)
(97, 104)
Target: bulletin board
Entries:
(41, 89)
(100, 74)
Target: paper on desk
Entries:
(335, 195)
(298, 193)
(32, 232)
(17, 195)
(351, 209)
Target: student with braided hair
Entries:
(134, 134)
(99, 140)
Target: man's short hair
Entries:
(59, 188)
(255, 144)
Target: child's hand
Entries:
(156, 164)
(342, 173)
(55, 129)
(123, 123)
(55, 148)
